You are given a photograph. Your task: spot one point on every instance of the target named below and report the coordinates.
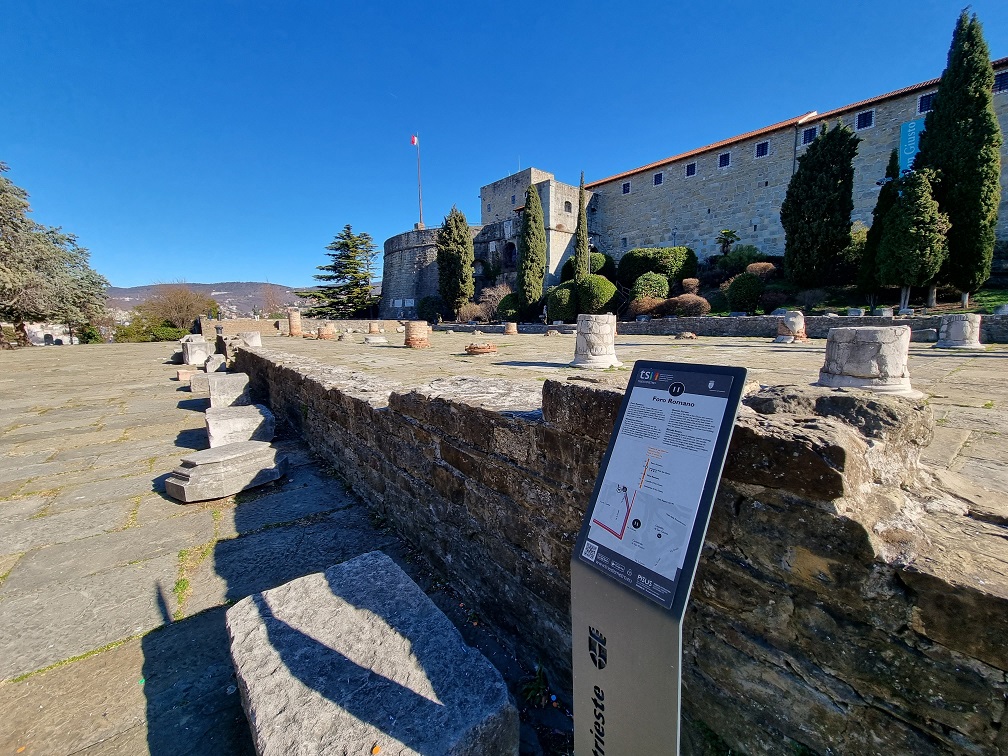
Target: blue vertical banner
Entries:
(909, 142)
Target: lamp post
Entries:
(675, 231)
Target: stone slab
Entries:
(196, 352)
(229, 390)
(101, 492)
(945, 446)
(61, 527)
(199, 384)
(358, 655)
(228, 425)
(224, 471)
(215, 363)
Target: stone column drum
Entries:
(417, 334)
(327, 332)
(959, 332)
(791, 328)
(595, 347)
(294, 322)
(510, 329)
(374, 328)
(869, 357)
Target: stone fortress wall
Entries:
(686, 199)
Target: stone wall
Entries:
(833, 610)
(410, 272)
(232, 326)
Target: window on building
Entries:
(724, 160)
(568, 208)
(865, 119)
(808, 136)
(762, 149)
(626, 187)
(488, 207)
(512, 199)
(623, 242)
(924, 102)
(658, 179)
(1001, 82)
(691, 169)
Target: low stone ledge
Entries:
(358, 659)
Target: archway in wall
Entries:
(510, 255)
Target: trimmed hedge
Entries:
(561, 303)
(675, 263)
(430, 309)
(509, 308)
(653, 285)
(741, 256)
(602, 264)
(595, 295)
(744, 292)
(689, 306)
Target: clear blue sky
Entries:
(204, 140)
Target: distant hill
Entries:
(234, 297)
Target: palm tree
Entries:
(726, 238)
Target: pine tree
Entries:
(816, 212)
(868, 275)
(455, 257)
(348, 277)
(962, 143)
(582, 252)
(531, 253)
(913, 244)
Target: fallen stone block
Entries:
(215, 363)
(196, 338)
(229, 425)
(251, 338)
(195, 352)
(229, 390)
(185, 375)
(359, 660)
(199, 384)
(224, 471)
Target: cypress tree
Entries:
(455, 256)
(868, 275)
(962, 143)
(913, 244)
(816, 212)
(531, 253)
(582, 252)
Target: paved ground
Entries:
(112, 595)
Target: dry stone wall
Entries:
(843, 605)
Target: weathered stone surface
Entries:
(228, 390)
(199, 384)
(251, 338)
(510, 329)
(358, 659)
(484, 348)
(417, 334)
(228, 425)
(184, 375)
(197, 338)
(294, 322)
(924, 335)
(375, 340)
(196, 352)
(960, 331)
(855, 312)
(791, 328)
(868, 357)
(327, 332)
(595, 345)
(215, 363)
(224, 471)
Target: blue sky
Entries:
(208, 141)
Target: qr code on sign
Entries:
(589, 551)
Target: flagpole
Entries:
(419, 185)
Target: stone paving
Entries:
(112, 595)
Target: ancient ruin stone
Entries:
(199, 383)
(343, 337)
(868, 357)
(552, 332)
(196, 352)
(215, 363)
(959, 332)
(224, 471)
(855, 312)
(510, 329)
(294, 322)
(595, 347)
(1001, 309)
(686, 335)
(791, 328)
(417, 334)
(193, 338)
(373, 328)
(883, 312)
(228, 390)
(924, 334)
(184, 375)
(358, 660)
(486, 348)
(229, 425)
(375, 339)
(251, 338)
(327, 332)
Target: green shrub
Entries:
(771, 300)
(561, 303)
(718, 301)
(744, 292)
(135, 332)
(167, 333)
(741, 257)
(675, 263)
(689, 306)
(595, 295)
(691, 285)
(645, 306)
(509, 308)
(88, 334)
(602, 264)
(810, 299)
(653, 285)
(430, 309)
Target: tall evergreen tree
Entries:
(962, 142)
(455, 257)
(531, 253)
(913, 244)
(868, 275)
(582, 251)
(816, 212)
(347, 277)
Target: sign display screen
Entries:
(657, 484)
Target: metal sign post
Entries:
(637, 552)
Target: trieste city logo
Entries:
(597, 648)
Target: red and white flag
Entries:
(414, 140)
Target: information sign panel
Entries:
(637, 552)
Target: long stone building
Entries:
(686, 199)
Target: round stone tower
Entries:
(410, 273)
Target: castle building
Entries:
(686, 199)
